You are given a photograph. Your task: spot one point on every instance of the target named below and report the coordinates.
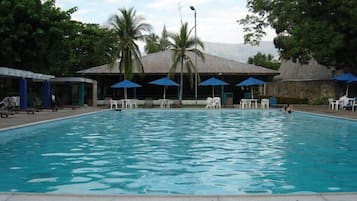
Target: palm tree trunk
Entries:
(181, 80)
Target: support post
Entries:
(23, 93)
(94, 93)
(81, 94)
(46, 93)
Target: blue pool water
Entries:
(182, 152)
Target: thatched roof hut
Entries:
(291, 71)
(160, 63)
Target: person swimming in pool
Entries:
(288, 108)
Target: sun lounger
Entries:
(5, 114)
(28, 110)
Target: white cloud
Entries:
(216, 21)
(117, 1)
(164, 4)
(175, 4)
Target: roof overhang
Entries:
(72, 79)
(11, 72)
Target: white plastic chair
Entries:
(335, 104)
(113, 103)
(331, 103)
(264, 103)
(163, 103)
(210, 103)
(135, 103)
(130, 103)
(217, 102)
(245, 103)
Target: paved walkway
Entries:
(47, 114)
(323, 109)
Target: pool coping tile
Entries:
(5, 196)
(264, 197)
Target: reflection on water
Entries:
(182, 152)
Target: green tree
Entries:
(152, 43)
(90, 45)
(164, 40)
(182, 44)
(156, 44)
(30, 32)
(38, 36)
(128, 29)
(264, 60)
(323, 30)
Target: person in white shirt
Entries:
(53, 103)
(344, 100)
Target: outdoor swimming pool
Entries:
(182, 152)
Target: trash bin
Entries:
(228, 99)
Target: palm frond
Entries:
(128, 28)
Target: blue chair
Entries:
(273, 102)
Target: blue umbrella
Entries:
(346, 77)
(165, 81)
(354, 80)
(250, 82)
(213, 82)
(125, 84)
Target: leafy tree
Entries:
(181, 45)
(156, 44)
(152, 43)
(36, 35)
(128, 28)
(324, 30)
(90, 45)
(264, 60)
(30, 31)
(164, 40)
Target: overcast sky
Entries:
(216, 20)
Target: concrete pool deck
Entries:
(289, 197)
(23, 118)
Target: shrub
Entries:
(319, 101)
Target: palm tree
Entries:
(181, 45)
(128, 29)
(164, 42)
(156, 44)
(152, 43)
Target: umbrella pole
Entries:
(125, 94)
(347, 91)
(251, 92)
(164, 92)
(212, 91)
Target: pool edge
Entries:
(326, 115)
(50, 120)
(349, 196)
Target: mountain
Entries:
(239, 52)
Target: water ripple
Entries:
(183, 152)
